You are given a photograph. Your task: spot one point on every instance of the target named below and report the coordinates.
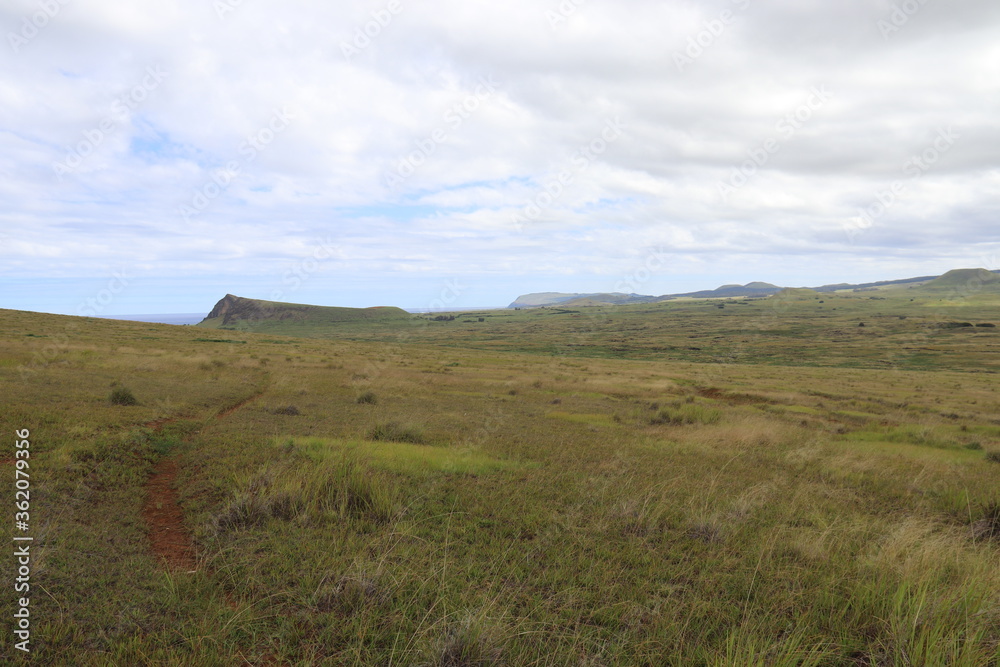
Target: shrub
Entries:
(396, 432)
(993, 456)
(368, 398)
(290, 410)
(122, 396)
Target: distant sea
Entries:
(169, 318)
(461, 309)
(194, 318)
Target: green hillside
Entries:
(966, 280)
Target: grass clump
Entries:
(395, 432)
(289, 410)
(993, 456)
(688, 413)
(347, 594)
(988, 526)
(122, 396)
(467, 643)
(339, 486)
(367, 398)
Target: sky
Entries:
(156, 156)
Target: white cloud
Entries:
(414, 95)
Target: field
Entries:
(716, 482)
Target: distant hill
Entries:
(540, 299)
(750, 289)
(235, 312)
(950, 280)
(797, 293)
(964, 278)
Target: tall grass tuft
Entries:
(367, 398)
(988, 525)
(687, 413)
(341, 486)
(122, 396)
(396, 432)
(470, 642)
(345, 486)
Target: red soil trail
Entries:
(158, 424)
(233, 408)
(169, 538)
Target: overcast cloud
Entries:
(386, 152)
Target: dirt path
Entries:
(169, 538)
(233, 408)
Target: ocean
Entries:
(168, 318)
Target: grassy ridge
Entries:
(484, 504)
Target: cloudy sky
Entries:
(157, 155)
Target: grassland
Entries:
(766, 483)
(892, 329)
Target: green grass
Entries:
(590, 419)
(693, 413)
(803, 496)
(399, 456)
(395, 432)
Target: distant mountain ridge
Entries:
(949, 280)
